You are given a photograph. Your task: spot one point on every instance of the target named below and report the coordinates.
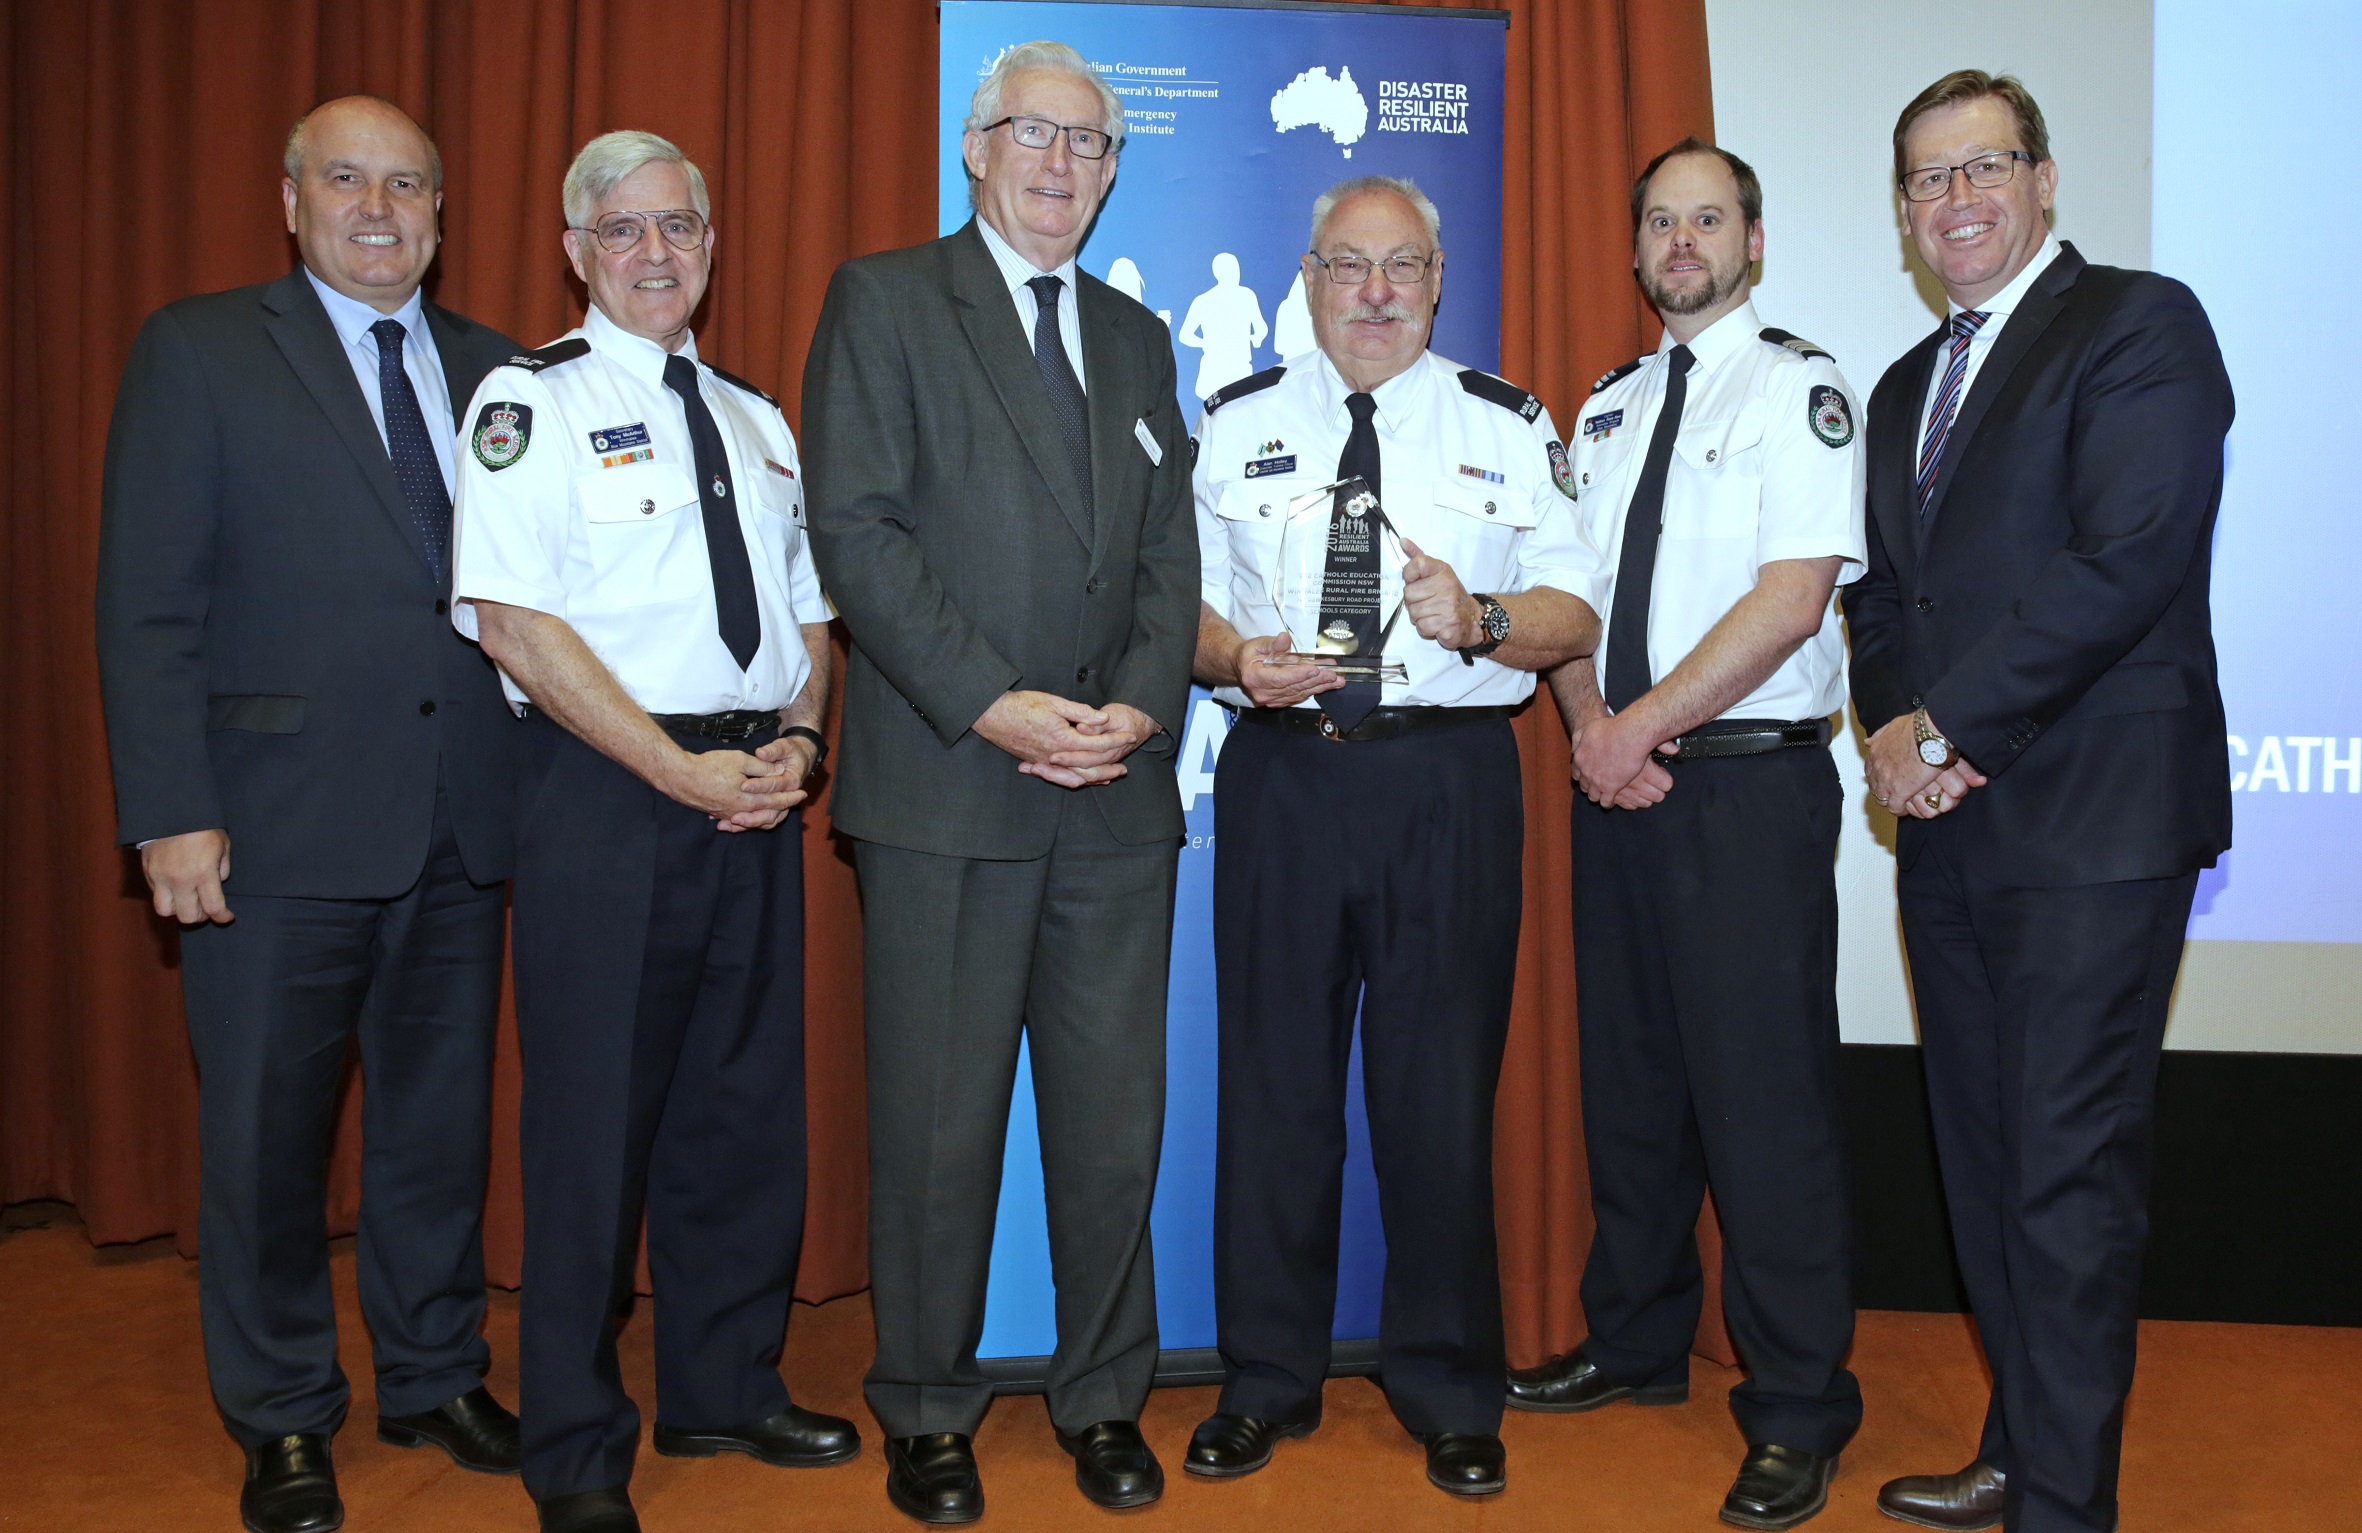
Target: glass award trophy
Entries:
(1339, 585)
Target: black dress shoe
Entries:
(933, 1478)
(1225, 1446)
(1965, 1501)
(1465, 1463)
(1778, 1487)
(794, 1438)
(1113, 1466)
(1574, 1383)
(476, 1430)
(291, 1487)
(590, 1511)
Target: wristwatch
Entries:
(1934, 749)
(1494, 620)
(807, 733)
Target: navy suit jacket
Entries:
(276, 655)
(2050, 608)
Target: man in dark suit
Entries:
(282, 685)
(2033, 652)
(1000, 510)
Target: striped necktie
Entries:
(1965, 326)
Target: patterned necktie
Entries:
(740, 623)
(1628, 674)
(412, 450)
(1066, 390)
(1965, 326)
(1349, 704)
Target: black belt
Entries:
(737, 724)
(1381, 723)
(1747, 737)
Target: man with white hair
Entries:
(1369, 832)
(1000, 507)
(630, 549)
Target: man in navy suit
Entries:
(283, 688)
(2033, 651)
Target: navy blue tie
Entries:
(735, 613)
(413, 451)
(1066, 390)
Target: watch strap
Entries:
(806, 732)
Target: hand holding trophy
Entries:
(1340, 580)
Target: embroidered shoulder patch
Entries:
(504, 429)
(1832, 419)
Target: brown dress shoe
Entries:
(1960, 1502)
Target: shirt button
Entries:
(1262, 510)
(1710, 455)
(427, 708)
(1489, 508)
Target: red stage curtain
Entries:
(143, 150)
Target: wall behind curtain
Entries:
(142, 164)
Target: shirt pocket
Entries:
(1721, 478)
(1483, 523)
(1253, 512)
(644, 535)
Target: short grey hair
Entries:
(985, 106)
(1400, 186)
(291, 157)
(606, 161)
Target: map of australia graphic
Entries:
(1314, 100)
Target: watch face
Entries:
(1934, 752)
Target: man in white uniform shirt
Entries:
(630, 548)
(1721, 481)
(1369, 840)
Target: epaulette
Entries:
(1253, 383)
(1613, 373)
(551, 355)
(1795, 343)
(1500, 391)
(732, 378)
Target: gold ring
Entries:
(1935, 800)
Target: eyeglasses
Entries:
(1353, 270)
(682, 228)
(1929, 182)
(1041, 133)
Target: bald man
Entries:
(316, 772)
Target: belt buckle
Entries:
(1328, 728)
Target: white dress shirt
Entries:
(1996, 310)
(420, 360)
(1018, 271)
(1768, 465)
(598, 521)
(1469, 480)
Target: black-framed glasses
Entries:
(1041, 133)
(682, 228)
(1353, 270)
(1929, 182)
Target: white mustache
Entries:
(1372, 312)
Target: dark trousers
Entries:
(274, 1000)
(1385, 876)
(2042, 1017)
(1706, 957)
(660, 1008)
(1069, 950)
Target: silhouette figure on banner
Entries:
(1226, 323)
(1123, 274)
(1292, 326)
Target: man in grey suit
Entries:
(1000, 509)
(282, 684)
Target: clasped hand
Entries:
(742, 791)
(1061, 741)
(1907, 785)
(1611, 764)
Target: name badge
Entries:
(1263, 466)
(618, 438)
(1156, 454)
(1600, 425)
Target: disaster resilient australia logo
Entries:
(1336, 106)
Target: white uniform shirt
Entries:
(1017, 272)
(1768, 466)
(1997, 310)
(420, 360)
(1469, 480)
(598, 521)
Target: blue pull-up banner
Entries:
(1237, 118)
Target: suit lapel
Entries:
(1107, 365)
(990, 319)
(2026, 323)
(300, 328)
(448, 330)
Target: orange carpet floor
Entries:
(105, 1425)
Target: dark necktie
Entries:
(1965, 326)
(1066, 390)
(412, 450)
(740, 623)
(1349, 704)
(1636, 569)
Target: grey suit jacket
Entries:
(275, 654)
(957, 546)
